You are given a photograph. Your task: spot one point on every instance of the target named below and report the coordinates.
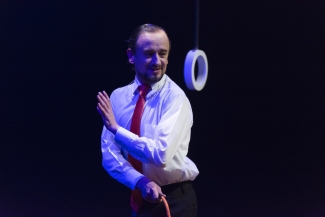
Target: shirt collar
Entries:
(154, 87)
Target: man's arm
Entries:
(113, 161)
(121, 170)
(160, 143)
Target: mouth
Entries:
(155, 70)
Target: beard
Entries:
(149, 78)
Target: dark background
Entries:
(259, 123)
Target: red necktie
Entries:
(136, 198)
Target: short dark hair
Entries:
(132, 41)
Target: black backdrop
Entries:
(259, 123)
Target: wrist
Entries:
(142, 182)
(114, 128)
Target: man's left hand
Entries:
(104, 108)
(150, 191)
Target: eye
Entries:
(148, 54)
(163, 54)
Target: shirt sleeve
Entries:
(160, 143)
(114, 162)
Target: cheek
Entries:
(145, 61)
(142, 63)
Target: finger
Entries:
(156, 196)
(162, 195)
(101, 100)
(150, 196)
(103, 111)
(105, 94)
(101, 96)
(147, 197)
(104, 99)
(100, 93)
(98, 110)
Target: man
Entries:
(146, 134)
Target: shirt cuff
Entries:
(133, 177)
(123, 136)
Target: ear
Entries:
(130, 55)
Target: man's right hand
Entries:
(150, 191)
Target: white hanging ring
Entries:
(191, 57)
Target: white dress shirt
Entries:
(164, 135)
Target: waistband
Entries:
(180, 186)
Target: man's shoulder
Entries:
(173, 88)
(122, 90)
(174, 96)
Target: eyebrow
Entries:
(164, 50)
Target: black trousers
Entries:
(181, 199)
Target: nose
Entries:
(155, 59)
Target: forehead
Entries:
(153, 40)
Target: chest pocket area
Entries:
(150, 131)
